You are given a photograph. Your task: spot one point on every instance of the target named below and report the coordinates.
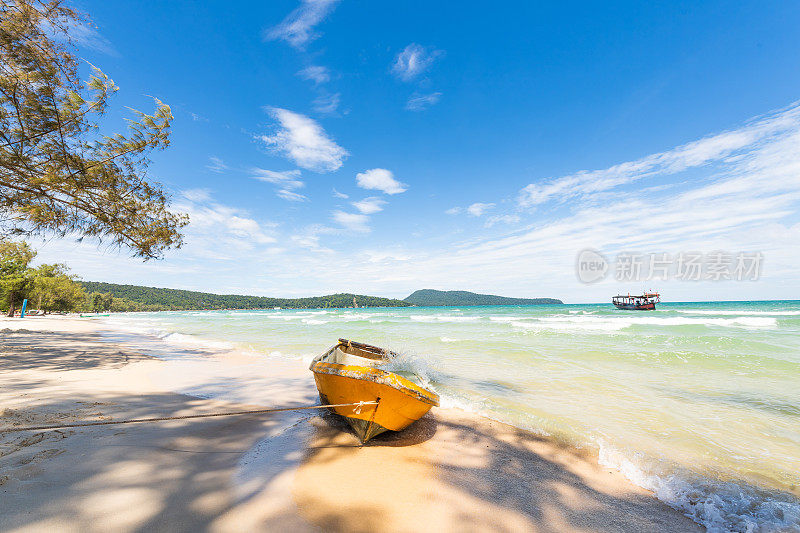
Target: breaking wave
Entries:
(612, 323)
(720, 506)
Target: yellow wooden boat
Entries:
(348, 373)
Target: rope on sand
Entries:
(184, 417)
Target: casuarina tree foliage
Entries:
(58, 173)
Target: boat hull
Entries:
(633, 307)
(400, 402)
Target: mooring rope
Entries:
(184, 417)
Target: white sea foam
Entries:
(729, 312)
(422, 367)
(505, 318)
(161, 343)
(356, 317)
(444, 318)
(191, 341)
(614, 323)
(447, 401)
(605, 327)
(146, 331)
(721, 507)
(313, 321)
(284, 317)
(756, 322)
(449, 339)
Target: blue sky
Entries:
(379, 147)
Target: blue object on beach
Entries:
(24, 305)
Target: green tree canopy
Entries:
(55, 290)
(100, 302)
(16, 278)
(58, 174)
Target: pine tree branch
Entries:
(47, 132)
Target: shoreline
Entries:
(452, 470)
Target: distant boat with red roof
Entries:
(643, 302)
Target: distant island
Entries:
(140, 298)
(430, 297)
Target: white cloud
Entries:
(326, 104)
(477, 209)
(413, 61)
(316, 73)
(337, 194)
(747, 200)
(501, 219)
(89, 37)
(352, 221)
(197, 195)
(380, 179)
(742, 201)
(306, 241)
(387, 256)
(292, 196)
(297, 28)
(752, 204)
(303, 140)
(370, 205)
(311, 242)
(309, 238)
(214, 226)
(421, 102)
(216, 165)
(287, 181)
(696, 154)
(82, 34)
(239, 226)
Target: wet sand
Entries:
(301, 471)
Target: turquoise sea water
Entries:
(699, 402)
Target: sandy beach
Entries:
(298, 471)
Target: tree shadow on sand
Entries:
(476, 475)
(172, 476)
(59, 351)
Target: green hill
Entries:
(430, 297)
(154, 299)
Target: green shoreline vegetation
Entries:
(139, 298)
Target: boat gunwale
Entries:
(375, 375)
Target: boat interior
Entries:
(355, 354)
